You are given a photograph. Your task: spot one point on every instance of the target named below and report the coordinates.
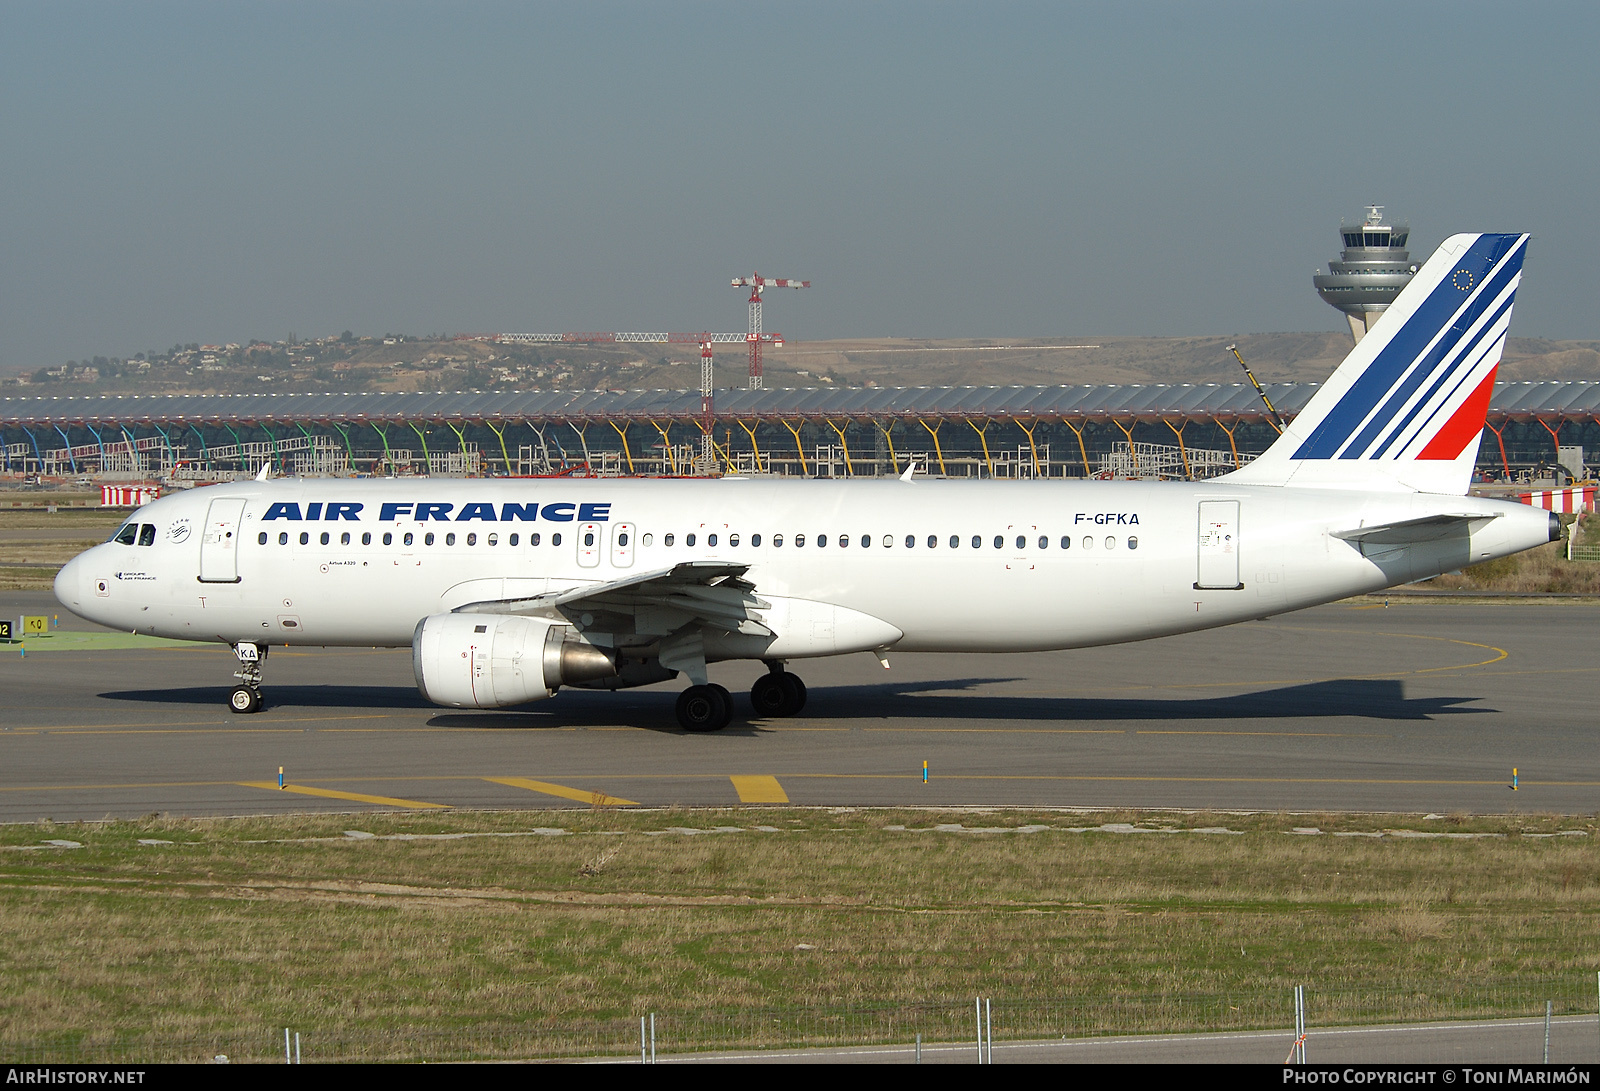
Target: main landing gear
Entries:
(710, 707)
(246, 697)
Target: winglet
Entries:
(266, 471)
(911, 468)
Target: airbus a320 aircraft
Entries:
(508, 590)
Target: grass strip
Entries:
(491, 934)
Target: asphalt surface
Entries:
(1414, 708)
(1574, 1040)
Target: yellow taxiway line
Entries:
(329, 793)
(597, 798)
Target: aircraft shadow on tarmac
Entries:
(934, 699)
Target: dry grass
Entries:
(256, 923)
(1535, 571)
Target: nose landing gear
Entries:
(246, 697)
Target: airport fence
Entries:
(941, 1022)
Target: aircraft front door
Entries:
(1218, 566)
(219, 545)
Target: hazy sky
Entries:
(220, 171)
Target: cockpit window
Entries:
(147, 534)
(127, 534)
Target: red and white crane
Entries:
(758, 284)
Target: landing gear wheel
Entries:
(799, 687)
(244, 699)
(770, 696)
(704, 708)
(778, 694)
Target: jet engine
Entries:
(494, 660)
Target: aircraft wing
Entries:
(1406, 531)
(654, 603)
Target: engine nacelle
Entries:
(494, 660)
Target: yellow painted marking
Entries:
(1277, 734)
(1005, 730)
(205, 726)
(329, 793)
(597, 798)
(759, 790)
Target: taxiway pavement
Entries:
(1413, 708)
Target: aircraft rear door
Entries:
(219, 545)
(1218, 566)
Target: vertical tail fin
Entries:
(1406, 408)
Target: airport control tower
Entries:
(1372, 269)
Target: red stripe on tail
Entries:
(1463, 426)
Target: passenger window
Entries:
(955, 541)
(305, 538)
(844, 540)
(622, 539)
(324, 537)
(127, 535)
(366, 537)
(688, 539)
(711, 540)
(755, 540)
(888, 540)
(933, 541)
(491, 540)
(261, 539)
(977, 542)
(511, 541)
(667, 538)
(1133, 543)
(1044, 543)
(866, 540)
(588, 537)
(1111, 543)
(555, 539)
(450, 539)
(472, 539)
(777, 541)
(407, 540)
(344, 539)
(147, 534)
(1066, 543)
(822, 541)
(999, 542)
(427, 539)
(1088, 542)
(733, 540)
(799, 541)
(283, 537)
(533, 540)
(911, 541)
(649, 539)
(388, 539)
(1022, 543)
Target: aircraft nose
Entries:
(69, 584)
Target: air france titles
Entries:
(428, 511)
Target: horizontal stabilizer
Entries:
(1429, 528)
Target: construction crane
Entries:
(704, 340)
(1277, 421)
(758, 284)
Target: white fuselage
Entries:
(306, 561)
